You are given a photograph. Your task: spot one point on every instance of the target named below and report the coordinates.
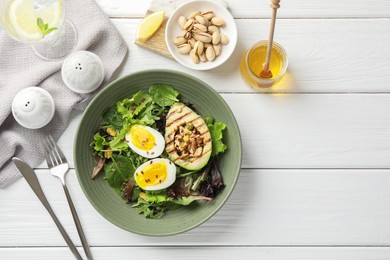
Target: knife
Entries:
(31, 178)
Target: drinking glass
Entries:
(253, 61)
(42, 24)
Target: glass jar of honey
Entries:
(253, 61)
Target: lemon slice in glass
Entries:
(149, 26)
(23, 18)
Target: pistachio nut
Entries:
(179, 40)
(217, 21)
(193, 14)
(203, 37)
(184, 48)
(194, 56)
(212, 29)
(208, 14)
(210, 53)
(182, 21)
(216, 38)
(199, 47)
(189, 24)
(224, 39)
(217, 49)
(202, 57)
(192, 42)
(202, 20)
(200, 27)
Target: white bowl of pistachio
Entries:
(201, 35)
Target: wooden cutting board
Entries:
(157, 42)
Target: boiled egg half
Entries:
(156, 174)
(145, 141)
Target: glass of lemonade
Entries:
(41, 24)
(253, 60)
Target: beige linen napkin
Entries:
(21, 68)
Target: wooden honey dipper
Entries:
(266, 73)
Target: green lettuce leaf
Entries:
(163, 95)
(118, 170)
(130, 107)
(216, 132)
(99, 142)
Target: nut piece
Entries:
(179, 40)
(202, 20)
(202, 57)
(184, 48)
(208, 14)
(198, 47)
(199, 28)
(212, 29)
(210, 53)
(203, 37)
(193, 14)
(194, 57)
(217, 49)
(189, 24)
(192, 42)
(224, 39)
(216, 37)
(218, 21)
(182, 21)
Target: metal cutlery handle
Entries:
(63, 233)
(78, 223)
(32, 180)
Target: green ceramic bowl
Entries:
(207, 101)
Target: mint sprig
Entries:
(44, 27)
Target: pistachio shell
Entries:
(189, 24)
(212, 29)
(184, 48)
(224, 39)
(200, 27)
(217, 49)
(194, 56)
(203, 37)
(218, 21)
(193, 14)
(210, 53)
(192, 42)
(202, 57)
(208, 14)
(182, 21)
(206, 45)
(187, 35)
(216, 38)
(179, 40)
(201, 20)
(199, 47)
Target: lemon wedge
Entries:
(23, 18)
(149, 26)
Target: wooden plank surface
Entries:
(315, 183)
(304, 131)
(324, 56)
(216, 253)
(315, 9)
(267, 207)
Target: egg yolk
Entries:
(142, 138)
(152, 174)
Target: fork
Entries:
(58, 167)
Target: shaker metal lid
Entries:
(33, 107)
(83, 72)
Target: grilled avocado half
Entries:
(187, 137)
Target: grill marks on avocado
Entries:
(188, 140)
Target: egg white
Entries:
(171, 174)
(156, 151)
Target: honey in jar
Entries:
(252, 64)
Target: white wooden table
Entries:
(315, 179)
